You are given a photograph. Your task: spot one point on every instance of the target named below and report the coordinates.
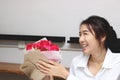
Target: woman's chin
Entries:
(85, 51)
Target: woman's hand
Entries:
(52, 68)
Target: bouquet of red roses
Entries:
(40, 50)
(50, 50)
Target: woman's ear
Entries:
(103, 39)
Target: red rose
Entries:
(54, 47)
(43, 45)
(29, 46)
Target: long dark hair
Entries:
(101, 28)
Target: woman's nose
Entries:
(81, 39)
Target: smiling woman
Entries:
(97, 60)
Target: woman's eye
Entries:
(85, 33)
(79, 34)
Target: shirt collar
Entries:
(108, 59)
(106, 64)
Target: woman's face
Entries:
(87, 40)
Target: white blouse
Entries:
(109, 71)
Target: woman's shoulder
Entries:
(116, 54)
(116, 58)
(113, 55)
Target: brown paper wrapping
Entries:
(29, 68)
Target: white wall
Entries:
(52, 18)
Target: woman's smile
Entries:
(84, 47)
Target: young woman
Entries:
(97, 62)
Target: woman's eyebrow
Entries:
(84, 31)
